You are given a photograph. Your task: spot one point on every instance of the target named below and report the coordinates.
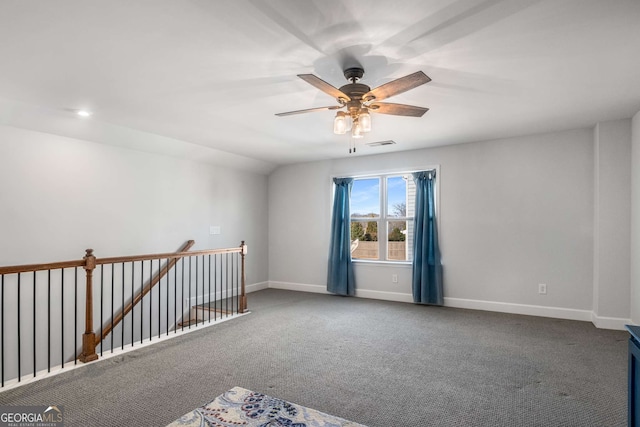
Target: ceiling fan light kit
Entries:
(340, 124)
(356, 129)
(364, 118)
(359, 100)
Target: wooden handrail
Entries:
(112, 260)
(163, 271)
(39, 267)
(176, 255)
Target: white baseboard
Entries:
(254, 287)
(360, 293)
(301, 287)
(609, 322)
(541, 311)
(383, 295)
(500, 307)
(528, 310)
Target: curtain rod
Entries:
(433, 169)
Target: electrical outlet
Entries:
(394, 278)
(214, 229)
(542, 289)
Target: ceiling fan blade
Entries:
(309, 110)
(397, 86)
(397, 109)
(323, 86)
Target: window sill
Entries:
(402, 264)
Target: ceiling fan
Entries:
(359, 99)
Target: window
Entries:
(382, 211)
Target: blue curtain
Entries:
(427, 270)
(340, 278)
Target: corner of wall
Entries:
(596, 218)
(612, 142)
(635, 219)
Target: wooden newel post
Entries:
(243, 296)
(89, 338)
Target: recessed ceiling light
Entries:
(83, 113)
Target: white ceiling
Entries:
(206, 77)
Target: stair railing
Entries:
(141, 294)
(210, 285)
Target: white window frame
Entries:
(383, 219)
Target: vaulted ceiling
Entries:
(204, 78)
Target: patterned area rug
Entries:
(241, 407)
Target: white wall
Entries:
(612, 220)
(59, 196)
(514, 213)
(299, 215)
(635, 220)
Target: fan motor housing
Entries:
(355, 90)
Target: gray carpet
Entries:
(378, 363)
